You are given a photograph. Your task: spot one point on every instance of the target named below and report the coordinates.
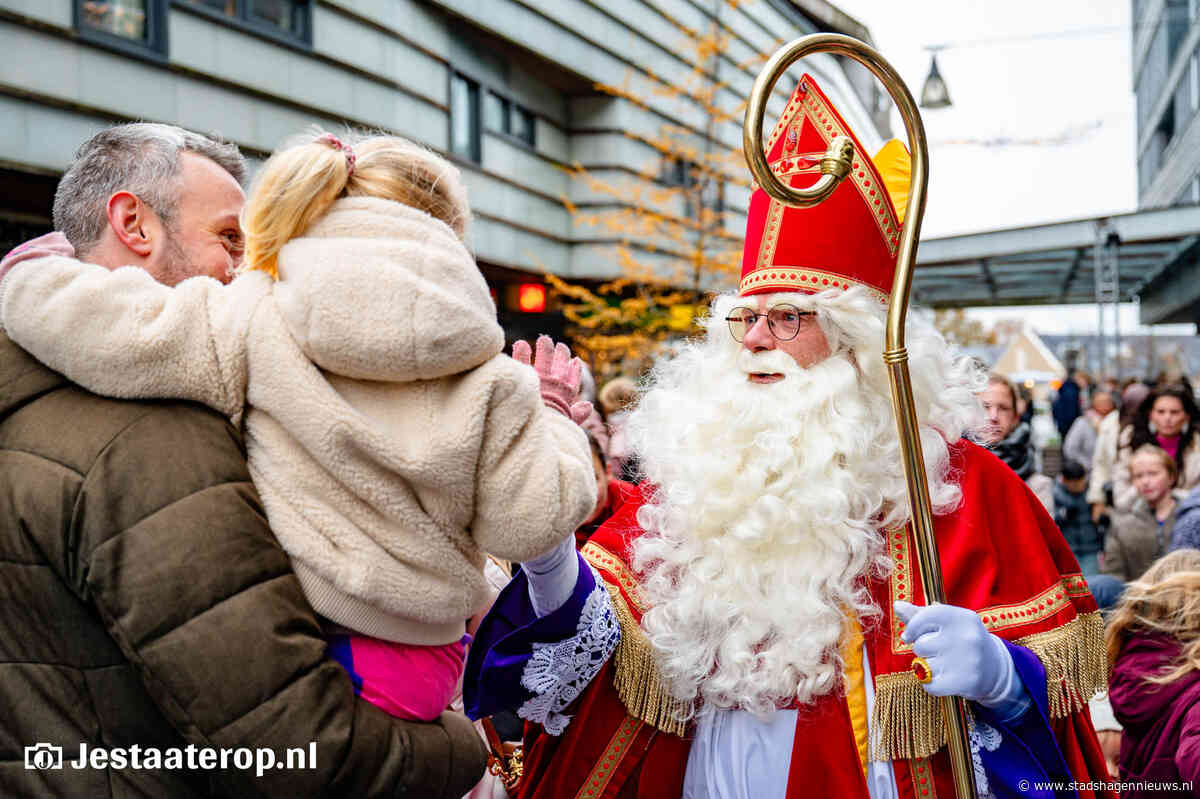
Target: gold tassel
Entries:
(907, 722)
(637, 679)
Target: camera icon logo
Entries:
(43, 756)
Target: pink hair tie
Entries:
(337, 144)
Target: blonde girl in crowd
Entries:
(392, 442)
(1142, 534)
(1153, 640)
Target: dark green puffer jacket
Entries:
(143, 600)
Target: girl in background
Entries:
(1142, 534)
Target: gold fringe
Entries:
(1076, 666)
(637, 679)
(907, 722)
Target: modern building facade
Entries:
(508, 89)
(1166, 81)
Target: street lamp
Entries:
(935, 94)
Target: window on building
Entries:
(501, 115)
(1166, 125)
(495, 113)
(521, 124)
(136, 26)
(712, 195)
(464, 118)
(1178, 22)
(288, 19)
(676, 172)
(702, 190)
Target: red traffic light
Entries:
(531, 298)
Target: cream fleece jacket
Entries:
(392, 442)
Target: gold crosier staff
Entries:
(834, 167)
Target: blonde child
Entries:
(392, 442)
(1153, 641)
(1142, 534)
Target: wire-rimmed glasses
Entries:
(783, 320)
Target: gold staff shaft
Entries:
(895, 355)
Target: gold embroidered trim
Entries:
(909, 723)
(604, 560)
(770, 239)
(636, 676)
(995, 618)
(924, 786)
(797, 278)
(795, 103)
(622, 739)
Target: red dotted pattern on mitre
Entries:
(850, 238)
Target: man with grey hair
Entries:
(156, 637)
(155, 196)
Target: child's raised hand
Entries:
(559, 375)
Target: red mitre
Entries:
(849, 239)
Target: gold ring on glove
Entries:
(920, 667)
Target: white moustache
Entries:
(768, 362)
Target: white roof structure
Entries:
(1054, 264)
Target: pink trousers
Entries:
(406, 680)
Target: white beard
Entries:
(764, 528)
(761, 534)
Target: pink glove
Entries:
(559, 375)
(53, 243)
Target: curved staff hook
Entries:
(894, 355)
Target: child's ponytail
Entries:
(294, 188)
(405, 172)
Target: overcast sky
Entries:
(1042, 125)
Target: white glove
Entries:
(552, 577)
(964, 658)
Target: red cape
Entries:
(1001, 555)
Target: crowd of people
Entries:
(272, 481)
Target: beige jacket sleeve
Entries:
(1104, 457)
(1124, 492)
(535, 483)
(121, 334)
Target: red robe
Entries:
(1001, 555)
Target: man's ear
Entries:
(132, 222)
